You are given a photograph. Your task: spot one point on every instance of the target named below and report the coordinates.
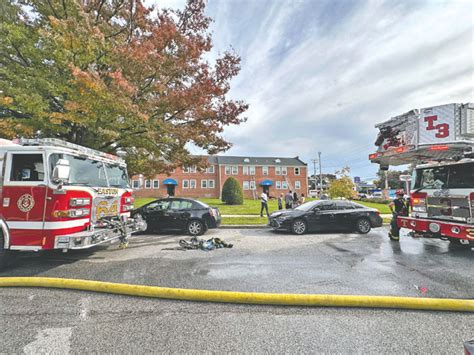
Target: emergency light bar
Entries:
(54, 142)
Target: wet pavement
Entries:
(261, 261)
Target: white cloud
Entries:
(319, 75)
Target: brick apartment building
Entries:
(255, 174)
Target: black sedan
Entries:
(179, 214)
(325, 216)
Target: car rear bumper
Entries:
(376, 221)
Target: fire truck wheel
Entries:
(195, 227)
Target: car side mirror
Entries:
(61, 171)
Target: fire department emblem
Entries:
(26, 203)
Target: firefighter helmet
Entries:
(400, 192)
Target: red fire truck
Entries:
(439, 143)
(58, 195)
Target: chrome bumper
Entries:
(112, 231)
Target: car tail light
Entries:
(377, 213)
(471, 197)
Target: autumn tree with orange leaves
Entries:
(115, 75)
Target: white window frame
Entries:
(252, 170)
(204, 184)
(265, 170)
(245, 170)
(211, 182)
(298, 185)
(227, 170)
(192, 183)
(148, 181)
(297, 171)
(157, 184)
(284, 185)
(133, 184)
(235, 170)
(9, 167)
(277, 170)
(278, 185)
(246, 185)
(210, 169)
(190, 169)
(252, 185)
(284, 170)
(185, 182)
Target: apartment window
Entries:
(189, 169)
(210, 170)
(278, 185)
(135, 184)
(227, 170)
(192, 184)
(284, 170)
(245, 170)
(277, 170)
(185, 184)
(147, 184)
(297, 184)
(203, 184)
(265, 170)
(156, 184)
(297, 171)
(210, 184)
(252, 170)
(284, 185)
(252, 185)
(246, 185)
(235, 170)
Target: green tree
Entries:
(393, 179)
(232, 193)
(115, 75)
(342, 187)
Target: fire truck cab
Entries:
(58, 195)
(439, 144)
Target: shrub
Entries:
(232, 192)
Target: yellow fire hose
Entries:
(316, 300)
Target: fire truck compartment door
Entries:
(24, 197)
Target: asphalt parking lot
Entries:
(34, 320)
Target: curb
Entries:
(309, 300)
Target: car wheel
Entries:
(363, 226)
(195, 228)
(298, 226)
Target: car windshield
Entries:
(89, 172)
(308, 206)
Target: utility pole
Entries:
(314, 173)
(320, 172)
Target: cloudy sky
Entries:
(318, 74)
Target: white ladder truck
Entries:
(438, 142)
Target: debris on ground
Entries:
(206, 245)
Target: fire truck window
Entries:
(27, 167)
(461, 176)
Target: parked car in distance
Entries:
(313, 193)
(179, 214)
(326, 216)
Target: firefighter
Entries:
(399, 207)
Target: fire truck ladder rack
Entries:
(54, 142)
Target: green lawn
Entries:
(244, 220)
(252, 207)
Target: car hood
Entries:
(287, 213)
